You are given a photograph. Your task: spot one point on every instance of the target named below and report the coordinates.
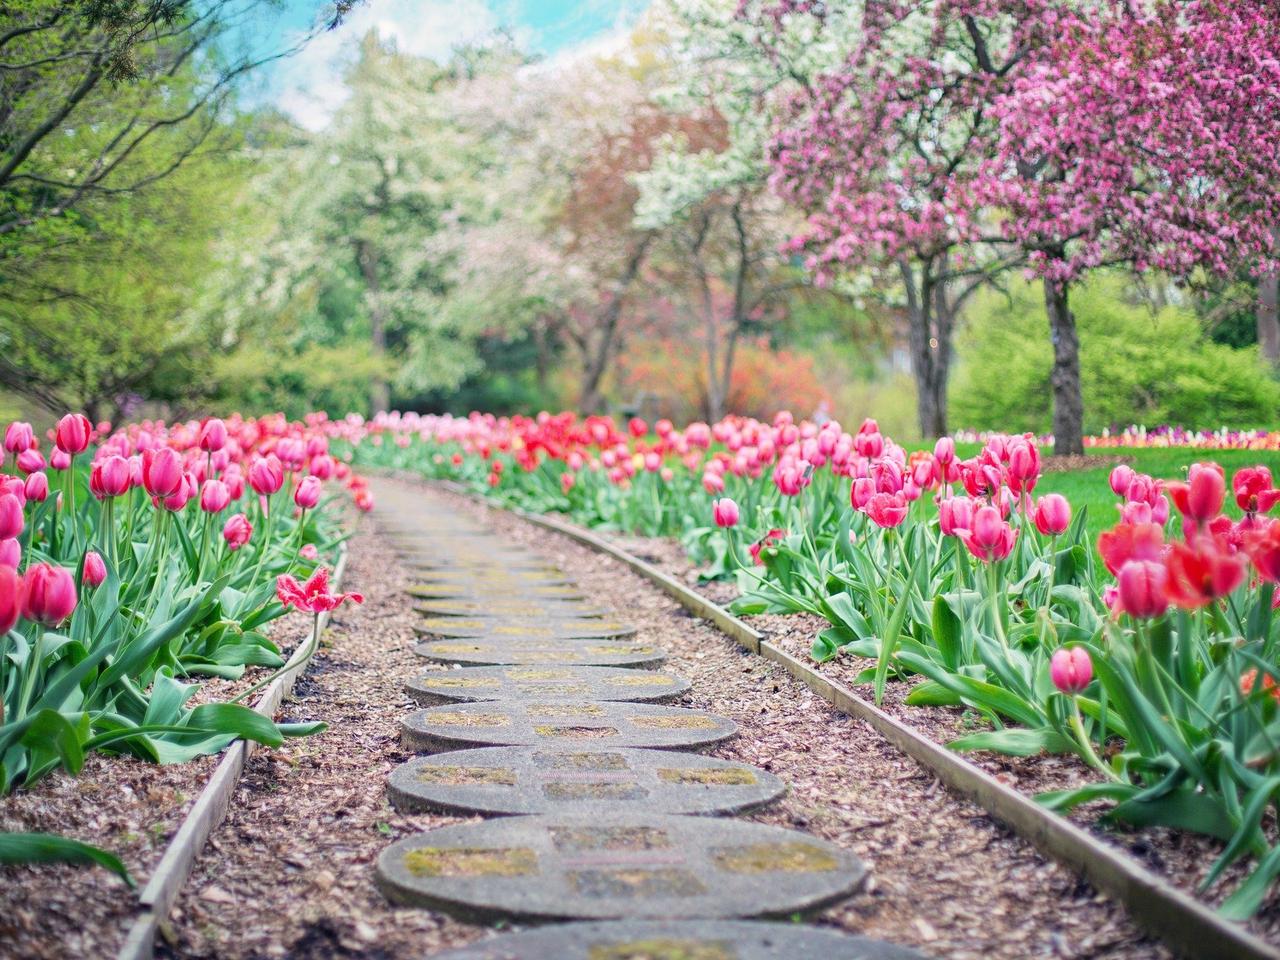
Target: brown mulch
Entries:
(1084, 461)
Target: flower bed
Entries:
(133, 561)
(1153, 660)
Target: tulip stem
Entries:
(1086, 745)
(312, 644)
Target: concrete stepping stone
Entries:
(517, 780)
(605, 866)
(495, 562)
(680, 940)
(509, 607)
(583, 653)
(566, 723)
(473, 684)
(522, 628)
(479, 590)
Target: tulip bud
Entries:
(95, 571)
(213, 435)
(1121, 476)
(214, 497)
(51, 594)
(1071, 670)
(12, 597)
(73, 433)
(1053, 514)
(309, 552)
(944, 451)
(112, 476)
(725, 512)
(307, 494)
(19, 436)
(237, 531)
(162, 472)
(11, 519)
(266, 475)
(37, 487)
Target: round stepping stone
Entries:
(510, 607)
(522, 628)
(566, 723)
(462, 589)
(600, 866)
(582, 653)
(680, 940)
(517, 780)
(505, 567)
(543, 683)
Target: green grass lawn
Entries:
(1089, 490)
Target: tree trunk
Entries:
(1068, 404)
(929, 338)
(1269, 313)
(590, 399)
(379, 390)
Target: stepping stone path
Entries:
(543, 683)
(541, 728)
(515, 780)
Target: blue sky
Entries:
(309, 85)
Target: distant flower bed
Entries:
(1154, 660)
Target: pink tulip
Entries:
(1053, 515)
(114, 476)
(59, 459)
(237, 531)
(1024, 466)
(11, 519)
(712, 482)
(321, 466)
(187, 489)
(10, 553)
(887, 509)
(955, 514)
(214, 497)
(37, 487)
(30, 460)
(51, 594)
(860, 494)
(1070, 669)
(266, 475)
(73, 433)
(213, 435)
(95, 571)
(1141, 588)
(725, 512)
(944, 451)
(1121, 476)
(309, 552)
(652, 462)
(19, 436)
(162, 472)
(989, 537)
(307, 494)
(13, 595)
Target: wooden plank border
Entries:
(1188, 927)
(210, 809)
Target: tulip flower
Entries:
(321, 467)
(111, 477)
(1070, 669)
(309, 552)
(1052, 515)
(1141, 589)
(266, 475)
(19, 436)
(50, 594)
(11, 519)
(31, 461)
(13, 596)
(313, 596)
(1202, 571)
(187, 489)
(725, 512)
(1263, 547)
(59, 459)
(214, 496)
(237, 531)
(860, 494)
(1249, 679)
(10, 553)
(73, 434)
(1200, 498)
(162, 474)
(770, 539)
(213, 435)
(36, 489)
(1125, 542)
(1024, 467)
(989, 537)
(954, 515)
(944, 451)
(95, 571)
(1253, 491)
(887, 509)
(1120, 478)
(307, 493)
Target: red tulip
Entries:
(314, 595)
(213, 435)
(13, 594)
(887, 509)
(1263, 547)
(1200, 498)
(214, 497)
(73, 433)
(36, 488)
(1253, 490)
(1141, 588)
(1052, 514)
(162, 472)
(95, 571)
(1130, 541)
(266, 475)
(1202, 571)
(307, 494)
(237, 531)
(1070, 669)
(11, 519)
(637, 427)
(51, 594)
(19, 436)
(725, 512)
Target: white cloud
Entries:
(309, 85)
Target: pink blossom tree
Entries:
(1139, 134)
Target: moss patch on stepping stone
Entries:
(468, 862)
